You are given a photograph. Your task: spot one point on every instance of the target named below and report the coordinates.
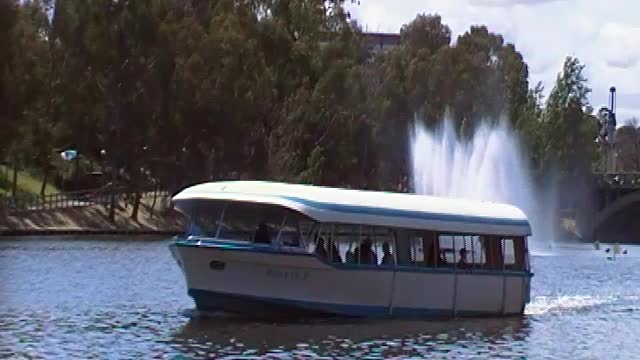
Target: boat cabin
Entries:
(274, 227)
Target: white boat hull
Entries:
(267, 283)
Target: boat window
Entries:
(508, 253)
(365, 252)
(258, 223)
(417, 252)
(332, 242)
(492, 251)
(403, 241)
(205, 217)
(385, 245)
(515, 253)
(462, 251)
(355, 244)
(296, 231)
(470, 253)
(425, 249)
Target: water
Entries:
(490, 166)
(123, 299)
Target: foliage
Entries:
(569, 128)
(628, 147)
(184, 91)
(27, 183)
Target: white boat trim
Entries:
(325, 204)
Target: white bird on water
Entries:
(616, 251)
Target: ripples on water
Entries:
(120, 299)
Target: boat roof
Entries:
(336, 205)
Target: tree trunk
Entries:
(14, 190)
(5, 173)
(155, 198)
(76, 169)
(112, 207)
(112, 190)
(136, 205)
(43, 188)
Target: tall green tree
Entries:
(28, 88)
(8, 19)
(568, 126)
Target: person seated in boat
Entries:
(387, 256)
(321, 249)
(334, 254)
(462, 263)
(442, 259)
(365, 253)
(349, 257)
(261, 235)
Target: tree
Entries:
(425, 32)
(530, 124)
(568, 126)
(27, 87)
(426, 50)
(628, 147)
(8, 20)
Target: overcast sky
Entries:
(603, 34)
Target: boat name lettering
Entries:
(287, 274)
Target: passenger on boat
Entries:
(334, 254)
(462, 263)
(349, 257)
(261, 235)
(321, 249)
(365, 253)
(442, 259)
(387, 257)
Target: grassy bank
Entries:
(27, 183)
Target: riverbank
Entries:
(93, 219)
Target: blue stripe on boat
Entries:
(420, 215)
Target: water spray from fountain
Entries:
(489, 166)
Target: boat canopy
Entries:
(335, 205)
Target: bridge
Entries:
(617, 208)
(616, 214)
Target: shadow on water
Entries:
(348, 337)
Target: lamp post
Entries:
(103, 155)
(606, 132)
(611, 131)
(183, 161)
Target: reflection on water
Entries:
(121, 299)
(355, 338)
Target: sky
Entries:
(603, 34)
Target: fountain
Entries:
(490, 166)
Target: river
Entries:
(125, 298)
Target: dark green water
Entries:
(126, 299)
